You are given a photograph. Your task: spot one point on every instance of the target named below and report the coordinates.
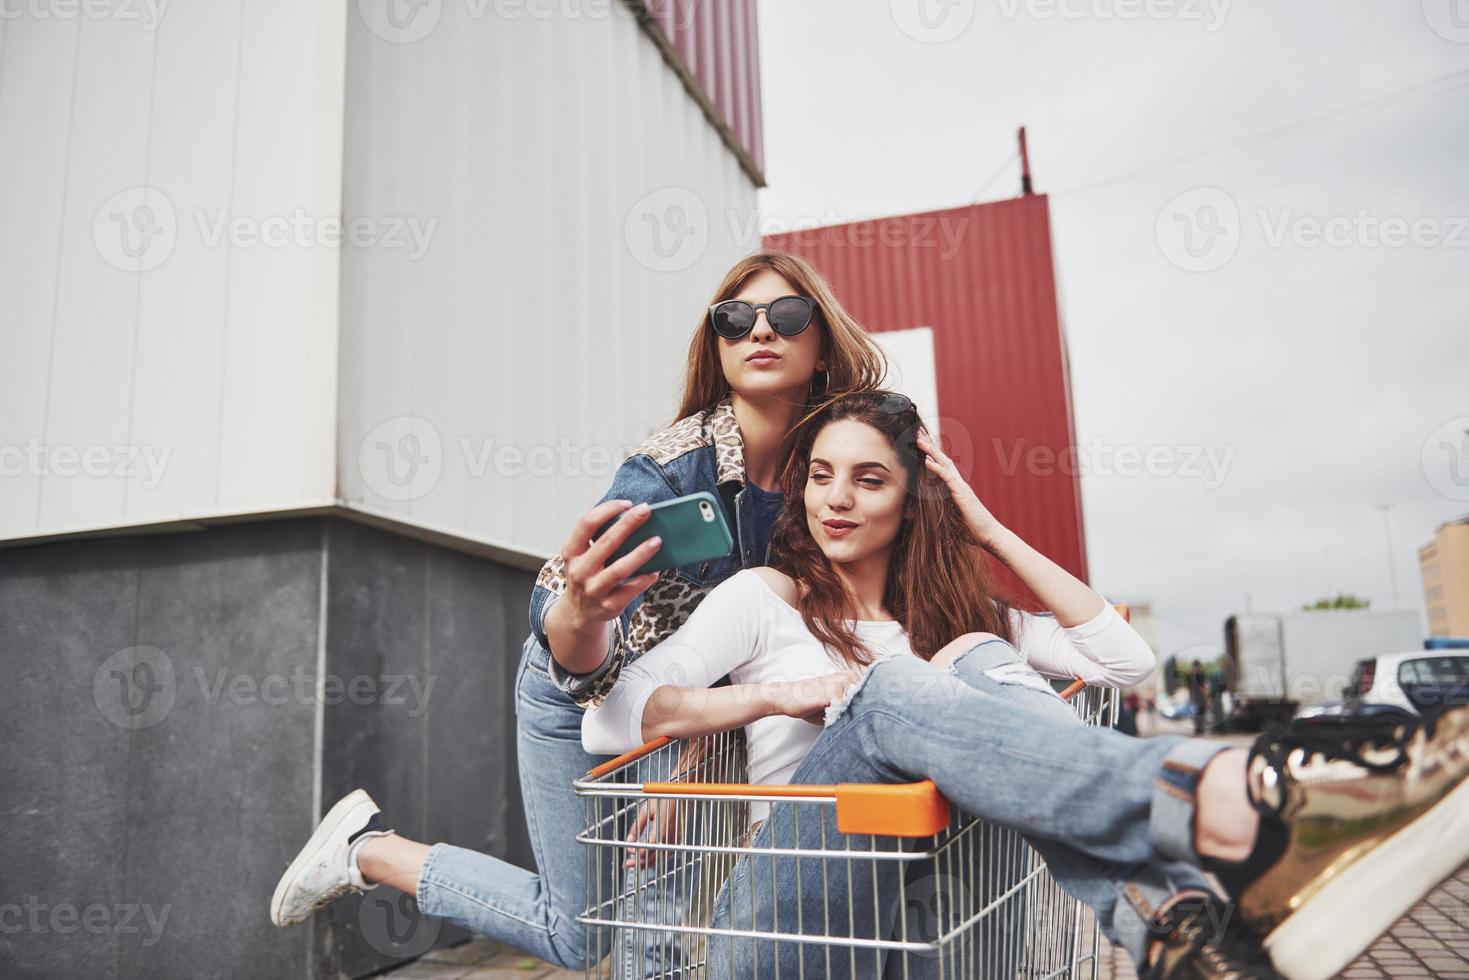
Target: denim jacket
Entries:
(701, 452)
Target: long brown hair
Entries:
(853, 360)
(938, 586)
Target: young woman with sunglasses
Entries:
(1322, 838)
(773, 342)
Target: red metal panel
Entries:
(718, 43)
(982, 278)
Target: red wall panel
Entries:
(983, 279)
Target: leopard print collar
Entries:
(729, 447)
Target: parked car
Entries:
(1410, 681)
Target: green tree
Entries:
(1342, 601)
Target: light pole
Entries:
(1391, 568)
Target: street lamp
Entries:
(1391, 568)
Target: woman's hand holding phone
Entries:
(597, 592)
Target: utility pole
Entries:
(1025, 185)
(1391, 568)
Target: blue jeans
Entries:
(534, 912)
(1111, 815)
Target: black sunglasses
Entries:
(787, 316)
(894, 403)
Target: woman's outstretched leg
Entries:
(1323, 835)
(1126, 898)
(532, 911)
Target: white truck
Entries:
(1278, 662)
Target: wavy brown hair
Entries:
(938, 585)
(853, 360)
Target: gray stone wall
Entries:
(159, 718)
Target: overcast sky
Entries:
(1317, 373)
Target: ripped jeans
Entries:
(1111, 815)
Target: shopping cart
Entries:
(849, 880)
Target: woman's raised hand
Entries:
(597, 592)
(976, 514)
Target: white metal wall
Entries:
(536, 212)
(490, 384)
(154, 370)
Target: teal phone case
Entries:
(693, 529)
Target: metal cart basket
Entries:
(851, 880)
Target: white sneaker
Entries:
(325, 868)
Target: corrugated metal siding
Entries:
(540, 319)
(719, 43)
(982, 277)
(222, 357)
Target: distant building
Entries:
(1444, 563)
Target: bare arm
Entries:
(686, 712)
(1071, 599)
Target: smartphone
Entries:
(693, 529)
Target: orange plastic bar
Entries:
(599, 771)
(892, 809)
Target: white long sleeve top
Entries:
(745, 630)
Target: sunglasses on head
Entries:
(787, 316)
(894, 403)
